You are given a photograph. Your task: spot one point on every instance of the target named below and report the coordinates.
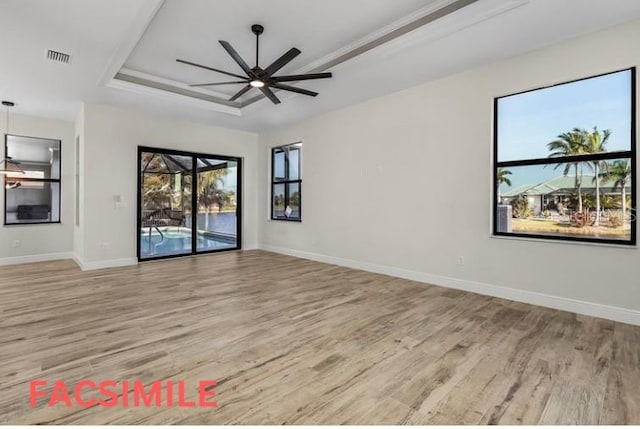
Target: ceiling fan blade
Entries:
(269, 94)
(282, 61)
(297, 77)
(240, 93)
(237, 58)
(210, 68)
(293, 89)
(219, 83)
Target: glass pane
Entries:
(38, 158)
(279, 164)
(286, 201)
(528, 122)
(294, 164)
(165, 205)
(292, 211)
(177, 163)
(32, 202)
(582, 200)
(217, 204)
(278, 200)
(55, 201)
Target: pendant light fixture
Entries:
(8, 165)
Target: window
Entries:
(286, 183)
(32, 194)
(564, 161)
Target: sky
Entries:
(231, 178)
(528, 121)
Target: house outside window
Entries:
(564, 161)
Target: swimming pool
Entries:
(177, 241)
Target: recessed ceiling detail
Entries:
(124, 51)
(144, 68)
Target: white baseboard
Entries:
(84, 266)
(16, 260)
(98, 265)
(617, 314)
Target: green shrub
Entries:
(615, 218)
(581, 219)
(521, 209)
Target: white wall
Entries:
(111, 138)
(41, 241)
(402, 184)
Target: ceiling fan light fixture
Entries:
(8, 167)
(257, 77)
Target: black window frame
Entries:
(194, 201)
(286, 181)
(58, 181)
(602, 156)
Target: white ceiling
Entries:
(103, 35)
(90, 30)
(317, 28)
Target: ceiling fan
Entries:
(257, 77)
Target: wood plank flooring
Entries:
(298, 342)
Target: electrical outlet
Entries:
(104, 245)
(16, 243)
(460, 261)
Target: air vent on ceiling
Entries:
(58, 57)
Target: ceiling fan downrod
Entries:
(257, 29)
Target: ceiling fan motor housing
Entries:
(257, 29)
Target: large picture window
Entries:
(286, 183)
(32, 188)
(564, 161)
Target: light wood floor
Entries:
(294, 341)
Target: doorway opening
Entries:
(188, 203)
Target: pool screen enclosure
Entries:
(188, 203)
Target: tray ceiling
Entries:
(191, 29)
(141, 39)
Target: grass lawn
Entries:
(551, 226)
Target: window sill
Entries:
(286, 220)
(32, 223)
(564, 242)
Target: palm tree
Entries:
(595, 143)
(620, 173)
(569, 144)
(501, 177)
(211, 192)
(156, 192)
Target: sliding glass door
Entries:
(188, 203)
(217, 204)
